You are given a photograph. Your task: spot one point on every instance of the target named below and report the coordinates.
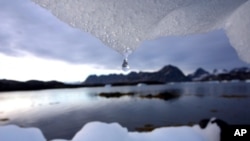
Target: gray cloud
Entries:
(30, 28)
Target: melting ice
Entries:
(98, 131)
(126, 23)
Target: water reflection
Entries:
(14, 103)
(60, 113)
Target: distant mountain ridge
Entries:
(241, 74)
(168, 73)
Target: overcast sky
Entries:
(34, 44)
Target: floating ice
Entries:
(124, 24)
(98, 131)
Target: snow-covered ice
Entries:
(124, 24)
(99, 131)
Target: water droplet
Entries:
(125, 66)
(126, 53)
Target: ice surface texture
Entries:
(98, 131)
(124, 24)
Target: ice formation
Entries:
(15, 133)
(98, 131)
(124, 24)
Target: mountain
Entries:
(242, 73)
(198, 75)
(167, 74)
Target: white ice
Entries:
(15, 133)
(124, 24)
(99, 131)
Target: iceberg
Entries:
(124, 24)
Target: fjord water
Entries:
(60, 113)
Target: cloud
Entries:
(28, 27)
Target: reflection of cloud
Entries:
(10, 105)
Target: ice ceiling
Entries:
(124, 24)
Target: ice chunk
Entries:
(15, 133)
(238, 30)
(123, 24)
(98, 131)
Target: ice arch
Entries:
(124, 24)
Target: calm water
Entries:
(61, 113)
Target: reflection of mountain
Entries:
(166, 74)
